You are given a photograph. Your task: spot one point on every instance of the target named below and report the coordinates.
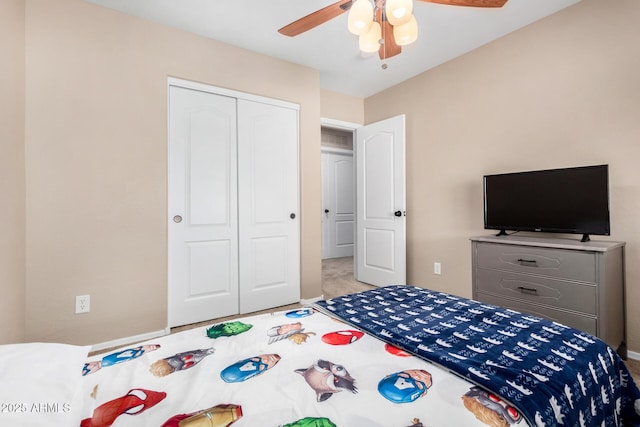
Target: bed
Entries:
(397, 356)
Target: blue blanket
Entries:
(555, 375)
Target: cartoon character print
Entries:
(311, 422)
(216, 416)
(416, 423)
(405, 386)
(249, 368)
(396, 351)
(327, 378)
(291, 331)
(118, 357)
(179, 362)
(135, 402)
(298, 314)
(489, 408)
(227, 329)
(342, 337)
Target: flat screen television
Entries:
(569, 200)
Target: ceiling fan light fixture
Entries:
(399, 12)
(406, 33)
(370, 41)
(360, 17)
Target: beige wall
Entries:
(12, 179)
(345, 108)
(561, 92)
(96, 162)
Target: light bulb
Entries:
(406, 33)
(370, 41)
(399, 12)
(360, 17)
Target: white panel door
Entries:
(202, 225)
(380, 206)
(269, 224)
(338, 216)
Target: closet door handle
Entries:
(292, 216)
(326, 211)
(397, 213)
(177, 219)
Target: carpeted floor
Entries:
(634, 367)
(337, 278)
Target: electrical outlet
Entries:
(83, 304)
(437, 268)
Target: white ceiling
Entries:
(445, 32)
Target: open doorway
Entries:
(338, 206)
(338, 194)
(379, 187)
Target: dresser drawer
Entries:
(538, 290)
(560, 263)
(584, 323)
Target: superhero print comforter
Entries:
(291, 368)
(552, 374)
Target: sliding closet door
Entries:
(269, 224)
(202, 223)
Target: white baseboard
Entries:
(311, 300)
(128, 340)
(633, 355)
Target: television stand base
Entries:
(585, 238)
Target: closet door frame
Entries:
(185, 84)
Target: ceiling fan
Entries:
(379, 18)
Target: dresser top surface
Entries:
(550, 242)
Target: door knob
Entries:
(397, 213)
(326, 211)
(292, 216)
(177, 219)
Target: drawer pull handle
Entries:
(526, 261)
(527, 290)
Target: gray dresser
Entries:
(580, 284)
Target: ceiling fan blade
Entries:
(470, 3)
(316, 18)
(388, 47)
